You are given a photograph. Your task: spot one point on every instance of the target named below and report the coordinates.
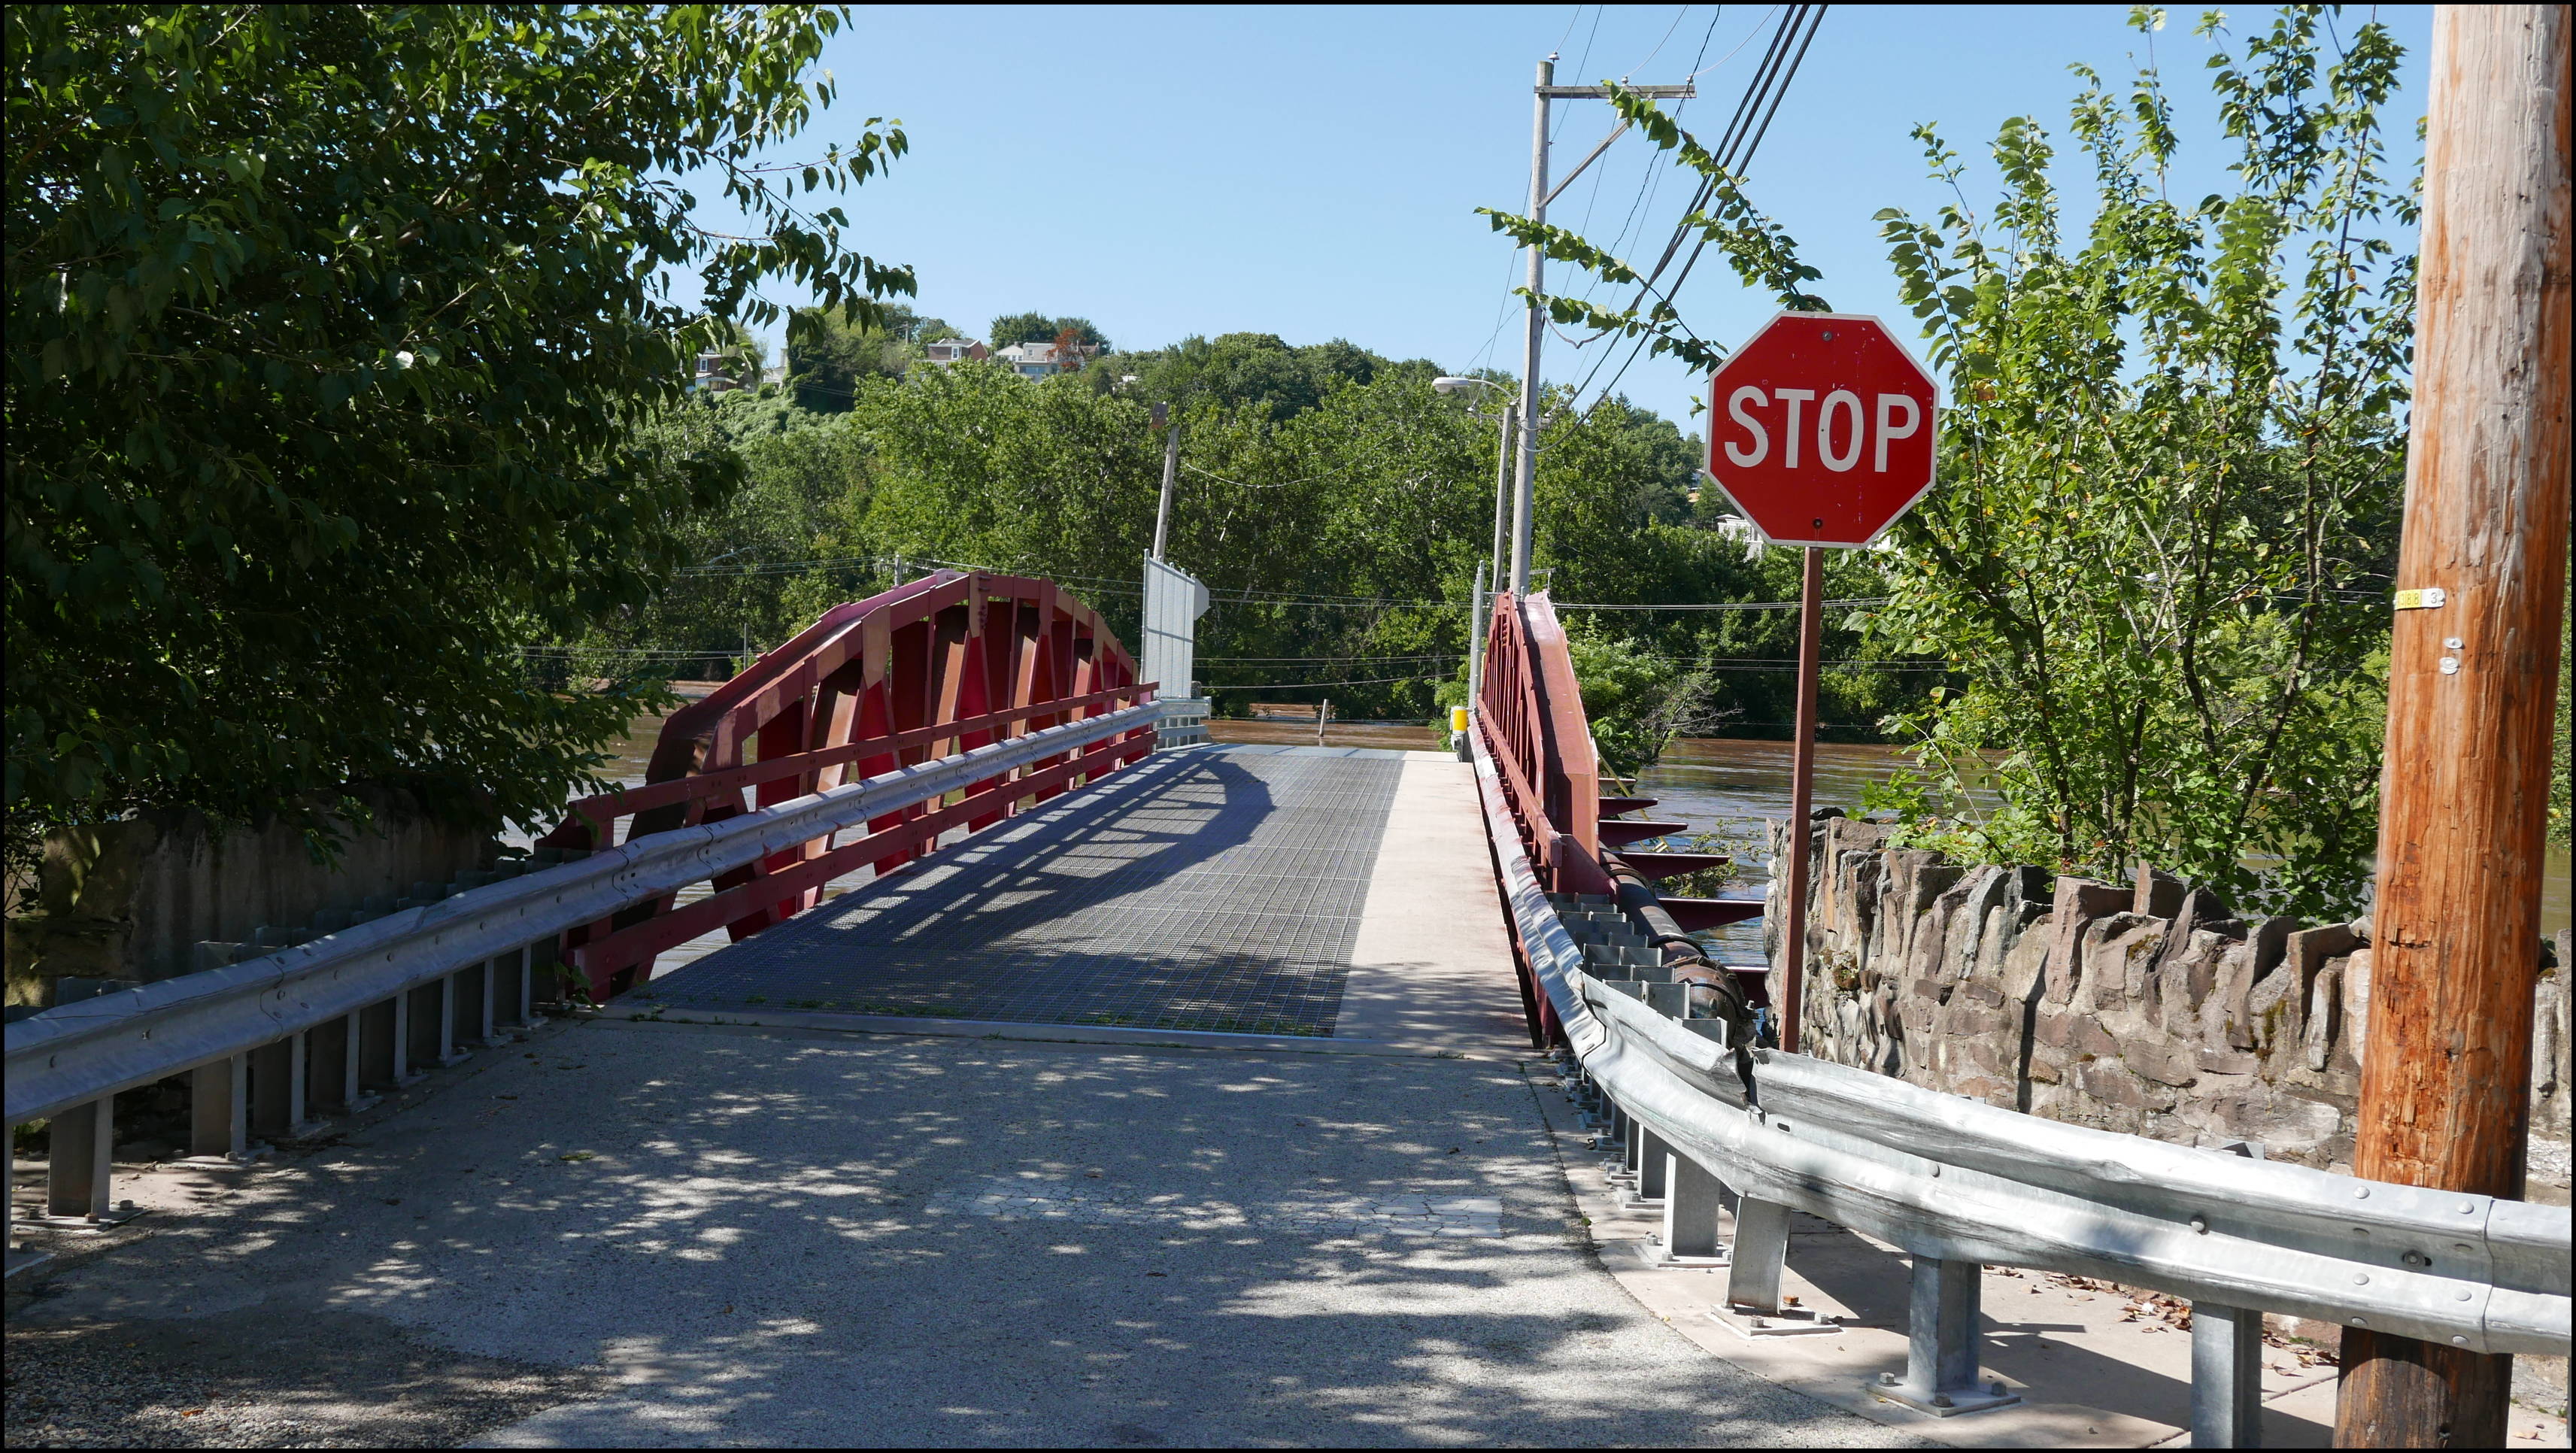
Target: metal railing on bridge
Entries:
(1708, 1120)
(939, 707)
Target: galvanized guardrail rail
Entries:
(360, 1008)
(1955, 1183)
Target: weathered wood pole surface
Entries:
(2446, 1071)
(1792, 1003)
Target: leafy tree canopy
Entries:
(2158, 556)
(1014, 328)
(1253, 371)
(336, 335)
(830, 354)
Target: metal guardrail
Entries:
(1184, 722)
(66, 1063)
(1955, 1183)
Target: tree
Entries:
(1039, 328)
(2157, 560)
(830, 354)
(2175, 461)
(1257, 371)
(334, 336)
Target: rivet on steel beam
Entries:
(2200, 1224)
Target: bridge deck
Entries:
(1283, 891)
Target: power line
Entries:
(1762, 96)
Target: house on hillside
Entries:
(720, 372)
(1038, 360)
(948, 352)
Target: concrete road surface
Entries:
(784, 1236)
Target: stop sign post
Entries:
(1821, 431)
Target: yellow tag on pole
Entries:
(2425, 599)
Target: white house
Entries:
(1037, 360)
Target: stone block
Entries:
(2353, 1041)
(2043, 1070)
(2160, 1061)
(2116, 952)
(2025, 964)
(2093, 1039)
(2001, 1094)
(2078, 902)
(2325, 1016)
(2110, 1084)
(2157, 893)
(2056, 1029)
(2277, 1012)
(2226, 1062)
(1982, 992)
(2305, 951)
(1963, 935)
(1987, 1025)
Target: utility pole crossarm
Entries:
(1682, 92)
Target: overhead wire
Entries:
(1734, 160)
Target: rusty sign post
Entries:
(1821, 432)
(2472, 689)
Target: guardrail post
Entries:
(2226, 1376)
(381, 1029)
(331, 1076)
(1692, 1200)
(1650, 1153)
(277, 1087)
(448, 1017)
(84, 1144)
(1761, 1254)
(1941, 1344)
(474, 1009)
(424, 1022)
(219, 1108)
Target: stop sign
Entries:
(1820, 429)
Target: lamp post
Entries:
(1502, 503)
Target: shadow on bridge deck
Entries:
(1225, 890)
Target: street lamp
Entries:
(1451, 384)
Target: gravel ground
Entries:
(319, 1379)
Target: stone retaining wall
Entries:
(2148, 1007)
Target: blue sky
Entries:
(1315, 172)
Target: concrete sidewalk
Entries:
(778, 1236)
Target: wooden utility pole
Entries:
(1802, 798)
(2473, 674)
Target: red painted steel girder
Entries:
(930, 668)
(1621, 831)
(1673, 865)
(1695, 914)
(1531, 710)
(1613, 806)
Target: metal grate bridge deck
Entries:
(1207, 888)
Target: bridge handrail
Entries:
(1533, 705)
(77, 1053)
(1952, 1178)
(603, 809)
